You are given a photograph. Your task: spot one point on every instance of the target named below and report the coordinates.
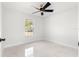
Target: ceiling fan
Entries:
(43, 9)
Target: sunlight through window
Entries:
(28, 27)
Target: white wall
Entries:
(61, 27)
(0, 28)
(78, 21)
(0, 18)
(13, 27)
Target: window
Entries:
(28, 27)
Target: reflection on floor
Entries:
(40, 49)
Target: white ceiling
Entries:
(27, 7)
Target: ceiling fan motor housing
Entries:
(41, 9)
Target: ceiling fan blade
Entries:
(36, 8)
(47, 4)
(48, 10)
(35, 12)
(41, 5)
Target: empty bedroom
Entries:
(39, 29)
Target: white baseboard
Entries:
(62, 44)
(6, 46)
(20, 43)
(36, 41)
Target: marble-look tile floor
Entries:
(40, 49)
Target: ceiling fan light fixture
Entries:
(42, 13)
